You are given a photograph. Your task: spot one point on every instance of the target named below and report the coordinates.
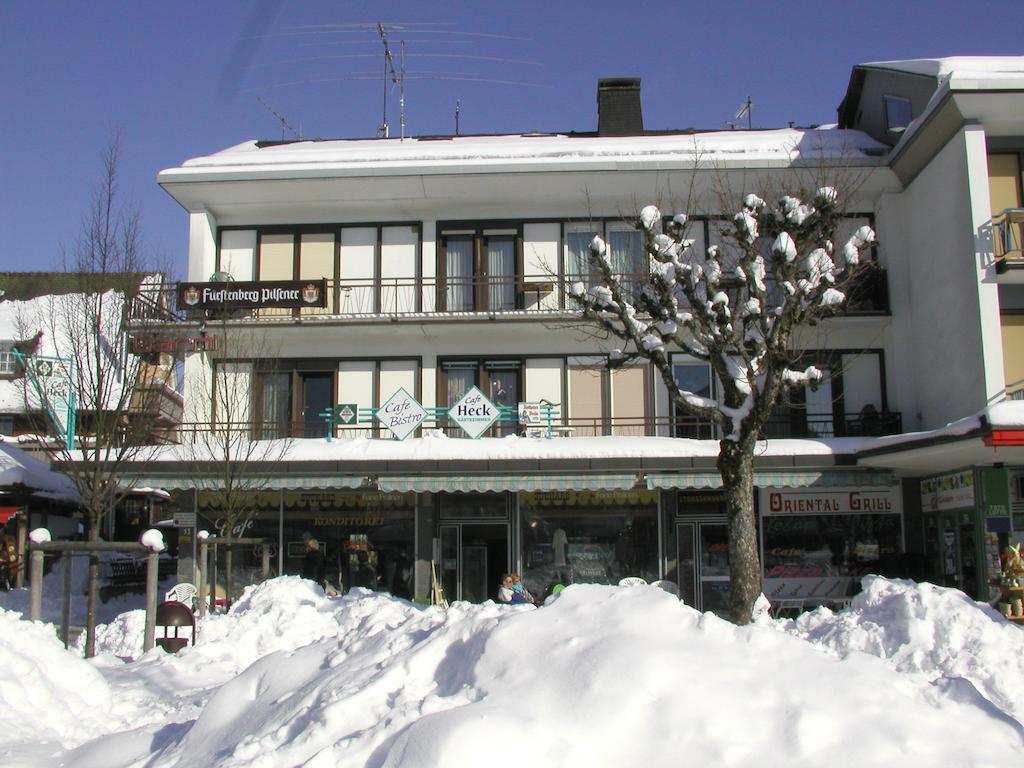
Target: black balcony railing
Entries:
(443, 297)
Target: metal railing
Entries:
(391, 297)
(1008, 236)
(794, 425)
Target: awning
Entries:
(774, 479)
(469, 483)
(295, 482)
(6, 513)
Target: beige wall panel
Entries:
(1013, 348)
(629, 399)
(398, 269)
(316, 260)
(355, 385)
(358, 269)
(861, 382)
(540, 265)
(586, 397)
(1004, 182)
(238, 253)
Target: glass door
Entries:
(473, 558)
(316, 398)
(702, 551)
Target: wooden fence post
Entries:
(36, 593)
(152, 573)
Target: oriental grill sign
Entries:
(284, 294)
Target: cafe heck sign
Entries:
(283, 294)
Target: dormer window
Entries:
(897, 113)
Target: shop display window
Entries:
(596, 537)
(828, 554)
(367, 537)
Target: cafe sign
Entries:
(283, 294)
(402, 414)
(474, 413)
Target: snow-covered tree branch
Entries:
(736, 307)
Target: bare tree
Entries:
(222, 441)
(737, 309)
(122, 402)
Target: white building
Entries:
(444, 262)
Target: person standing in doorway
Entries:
(313, 563)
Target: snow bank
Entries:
(601, 676)
(935, 631)
(46, 693)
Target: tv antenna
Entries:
(285, 125)
(458, 109)
(397, 77)
(746, 108)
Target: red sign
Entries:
(172, 345)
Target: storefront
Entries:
(367, 537)
(967, 522)
(588, 536)
(817, 542)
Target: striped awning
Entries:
(288, 483)
(470, 483)
(774, 479)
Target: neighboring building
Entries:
(39, 316)
(443, 264)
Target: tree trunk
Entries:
(736, 465)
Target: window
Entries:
(626, 253)
(273, 404)
(499, 380)
(479, 270)
(8, 362)
(897, 113)
(695, 377)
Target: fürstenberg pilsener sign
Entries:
(287, 294)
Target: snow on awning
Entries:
(470, 483)
(772, 479)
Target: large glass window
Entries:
(273, 404)
(578, 267)
(628, 260)
(499, 380)
(898, 113)
(479, 271)
(695, 377)
(594, 537)
(8, 362)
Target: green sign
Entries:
(346, 413)
(995, 492)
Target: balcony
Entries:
(794, 425)
(1007, 243)
(439, 298)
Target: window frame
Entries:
(479, 232)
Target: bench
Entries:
(129, 575)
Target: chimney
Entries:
(618, 107)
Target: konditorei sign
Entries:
(283, 294)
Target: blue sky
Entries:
(185, 78)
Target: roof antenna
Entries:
(746, 108)
(397, 77)
(281, 118)
(458, 108)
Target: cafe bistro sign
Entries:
(285, 294)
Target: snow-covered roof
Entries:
(19, 468)
(958, 67)
(526, 151)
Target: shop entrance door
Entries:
(474, 556)
(702, 549)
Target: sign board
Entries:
(286, 294)
(185, 519)
(346, 413)
(951, 491)
(529, 414)
(830, 501)
(150, 344)
(52, 380)
(474, 413)
(402, 414)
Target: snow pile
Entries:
(46, 693)
(923, 628)
(601, 676)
